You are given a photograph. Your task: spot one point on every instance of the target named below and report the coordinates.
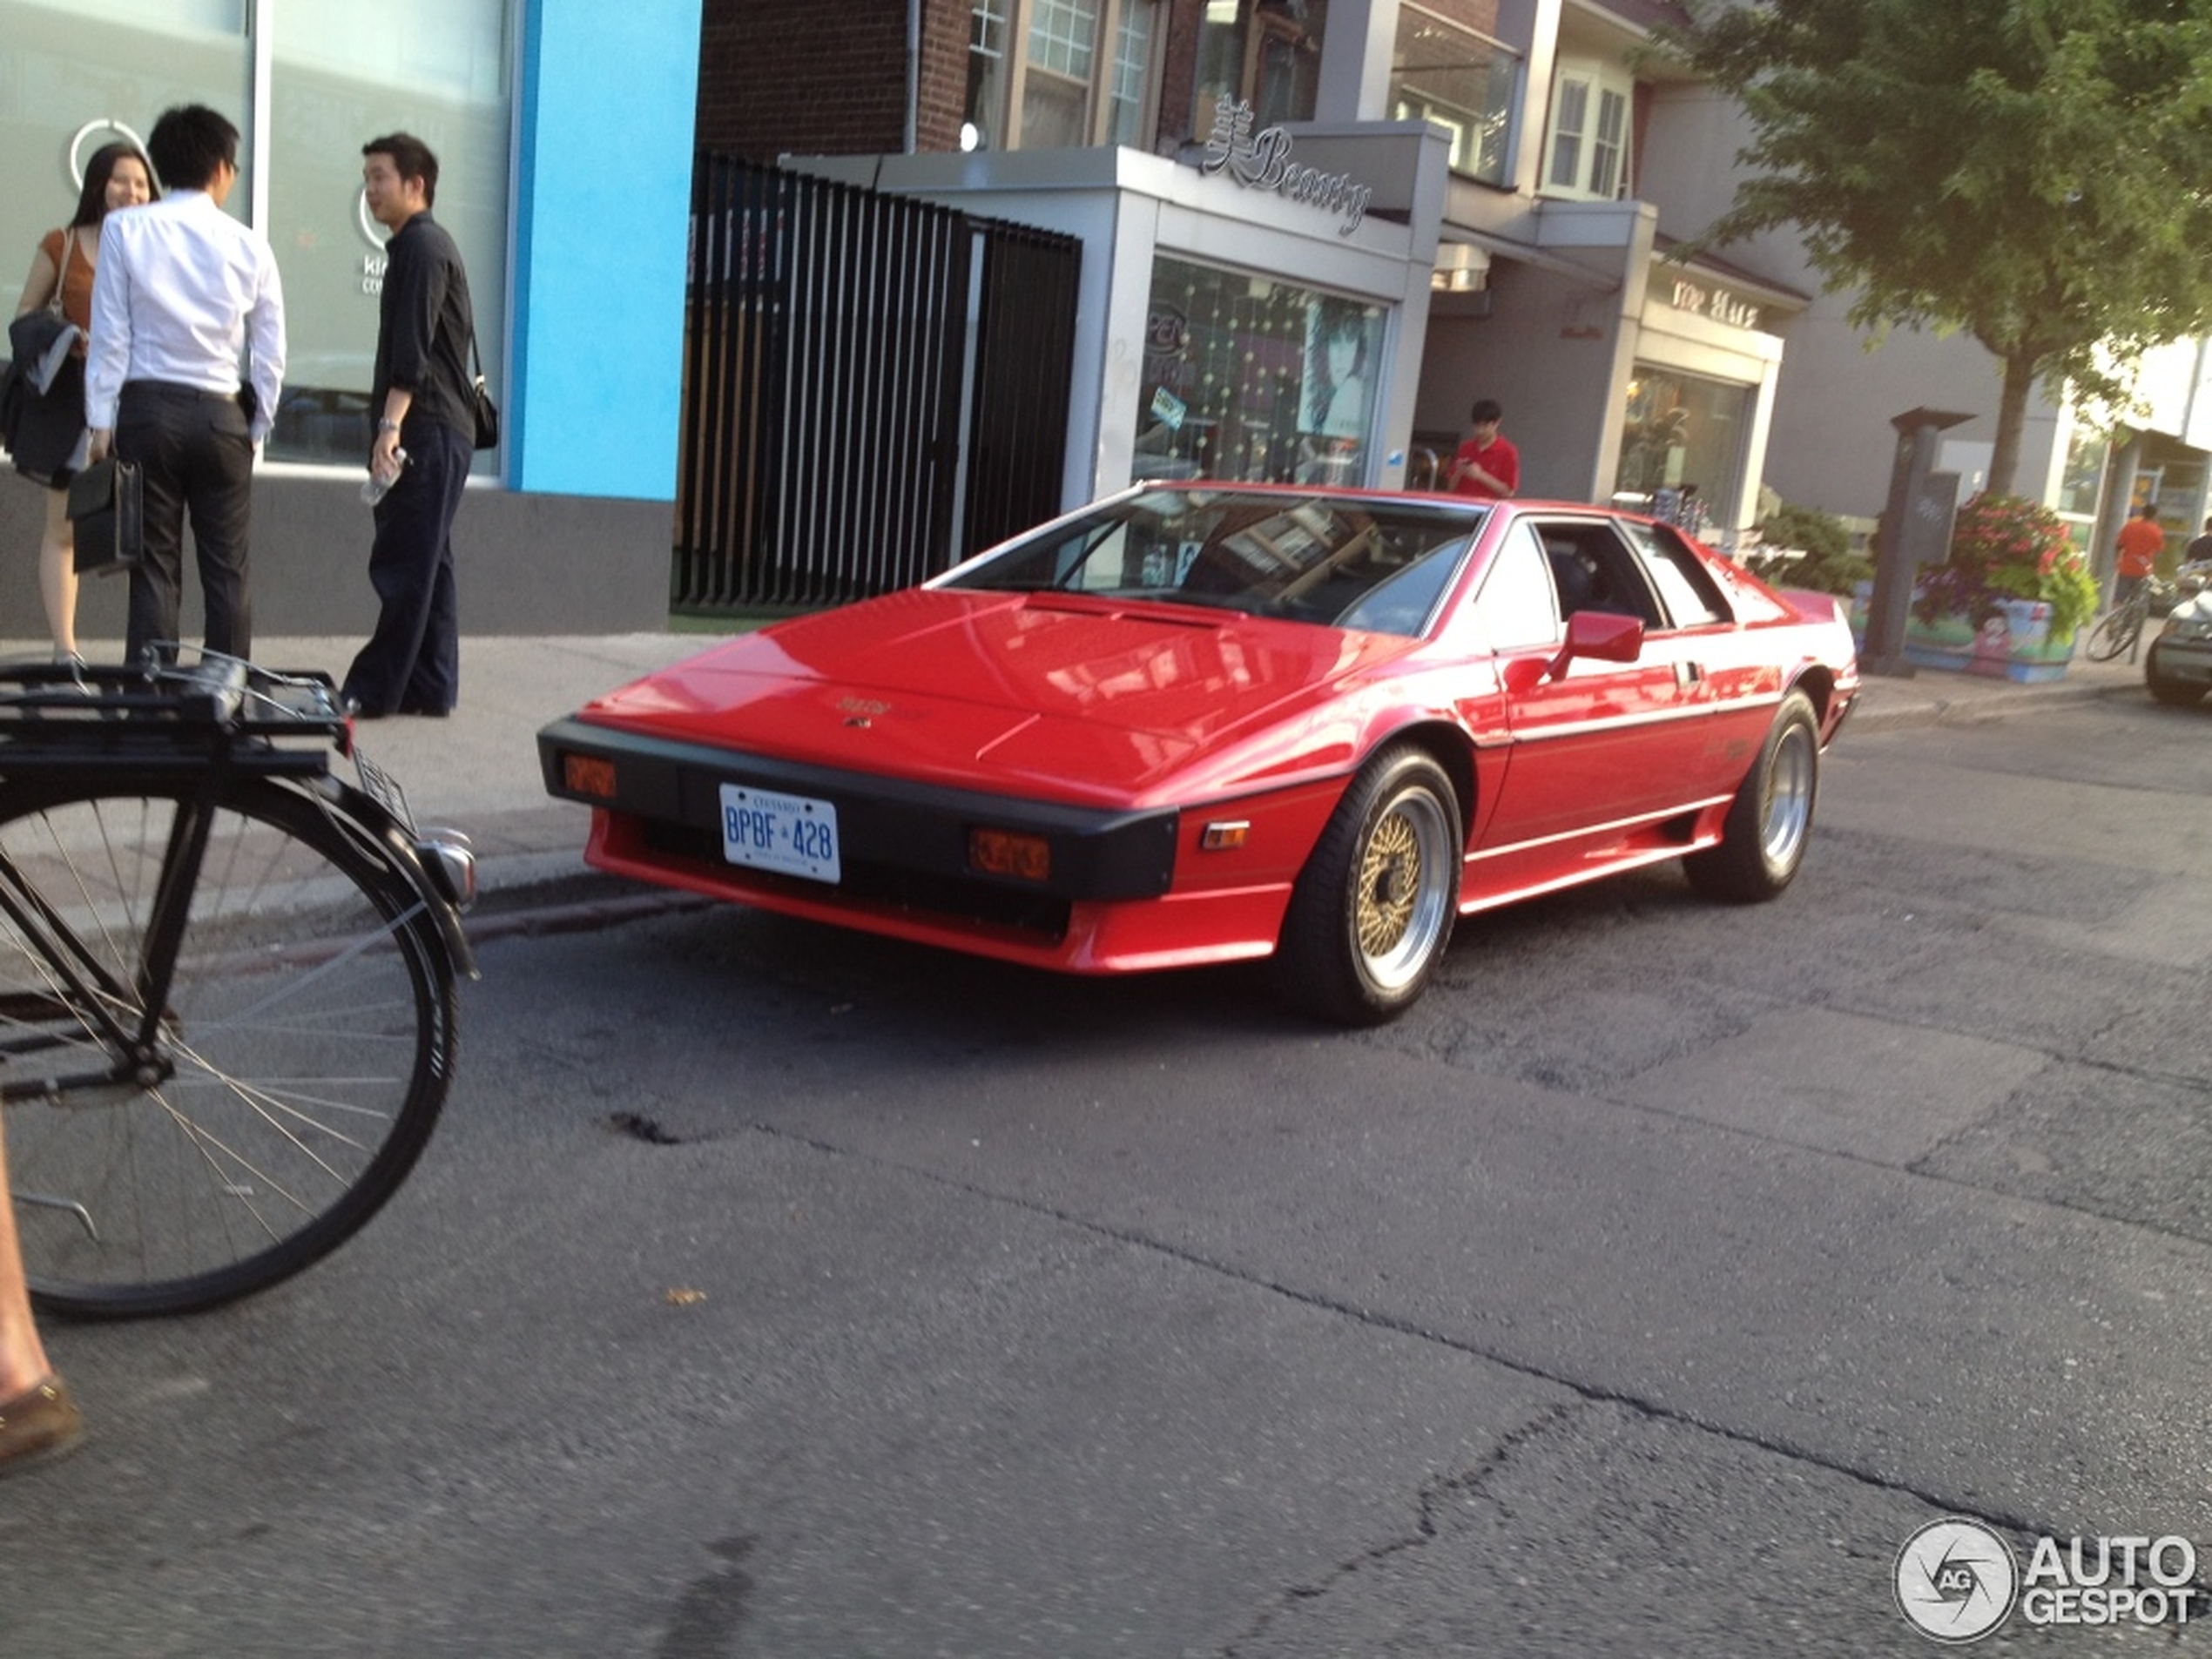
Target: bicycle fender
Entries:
(394, 837)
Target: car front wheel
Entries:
(1372, 910)
(2177, 694)
(1770, 823)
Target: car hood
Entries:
(1080, 697)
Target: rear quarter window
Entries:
(1686, 587)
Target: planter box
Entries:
(2014, 643)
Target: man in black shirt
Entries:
(422, 394)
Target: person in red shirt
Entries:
(2141, 542)
(1486, 466)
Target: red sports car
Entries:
(1195, 722)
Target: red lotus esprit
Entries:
(1197, 722)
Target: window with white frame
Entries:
(1045, 74)
(1587, 150)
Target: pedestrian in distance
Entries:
(422, 391)
(118, 176)
(184, 294)
(2139, 543)
(1486, 466)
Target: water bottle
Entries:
(374, 488)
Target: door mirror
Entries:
(1599, 635)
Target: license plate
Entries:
(790, 834)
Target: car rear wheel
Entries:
(1763, 840)
(1372, 910)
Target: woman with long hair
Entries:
(118, 176)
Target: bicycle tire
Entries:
(309, 1035)
(2115, 633)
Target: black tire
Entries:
(2115, 631)
(1372, 911)
(2175, 694)
(1770, 823)
(301, 1060)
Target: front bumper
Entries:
(905, 843)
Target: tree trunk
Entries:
(2011, 419)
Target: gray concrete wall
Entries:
(529, 563)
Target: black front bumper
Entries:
(901, 840)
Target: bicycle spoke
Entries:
(299, 1055)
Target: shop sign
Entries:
(1716, 303)
(1262, 161)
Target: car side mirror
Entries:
(1601, 634)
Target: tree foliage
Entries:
(2031, 172)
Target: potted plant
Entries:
(2011, 598)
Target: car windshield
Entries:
(1341, 560)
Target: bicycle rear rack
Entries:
(55, 715)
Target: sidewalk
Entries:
(478, 769)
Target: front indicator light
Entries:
(1224, 837)
(1025, 858)
(589, 775)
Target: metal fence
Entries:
(874, 388)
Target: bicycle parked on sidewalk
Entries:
(2121, 628)
(228, 981)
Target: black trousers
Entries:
(194, 457)
(412, 662)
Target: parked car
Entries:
(2178, 666)
(1199, 723)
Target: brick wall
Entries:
(805, 78)
(814, 78)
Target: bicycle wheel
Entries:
(302, 1057)
(2114, 634)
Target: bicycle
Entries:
(2121, 628)
(228, 1001)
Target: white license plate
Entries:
(788, 833)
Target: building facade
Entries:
(1316, 231)
(1574, 169)
(565, 134)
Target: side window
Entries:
(1692, 597)
(1594, 570)
(1516, 607)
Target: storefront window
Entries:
(1264, 53)
(1255, 380)
(342, 75)
(1461, 81)
(339, 76)
(1682, 430)
(74, 85)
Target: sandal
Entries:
(38, 1425)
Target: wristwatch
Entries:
(387, 426)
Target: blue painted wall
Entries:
(601, 226)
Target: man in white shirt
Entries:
(180, 295)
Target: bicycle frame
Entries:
(436, 862)
(227, 1008)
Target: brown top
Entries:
(77, 280)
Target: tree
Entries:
(2033, 173)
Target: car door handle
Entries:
(1687, 674)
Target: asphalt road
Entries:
(773, 1292)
